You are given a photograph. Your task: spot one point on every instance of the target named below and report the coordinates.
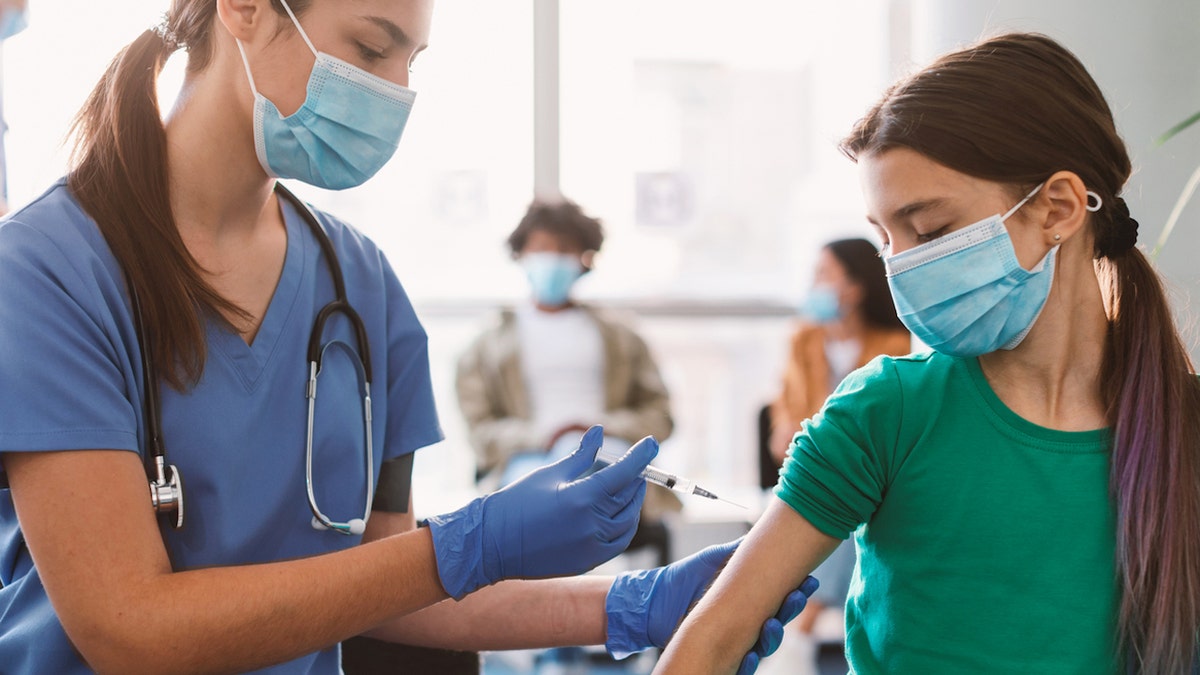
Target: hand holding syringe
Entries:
(671, 481)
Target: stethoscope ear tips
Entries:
(357, 526)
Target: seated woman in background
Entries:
(1026, 497)
(848, 319)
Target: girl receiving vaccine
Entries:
(1026, 496)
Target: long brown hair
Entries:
(119, 176)
(1015, 109)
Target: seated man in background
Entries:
(529, 385)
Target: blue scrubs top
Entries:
(70, 379)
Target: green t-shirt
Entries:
(986, 542)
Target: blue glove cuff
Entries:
(628, 612)
(458, 547)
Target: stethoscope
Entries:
(166, 482)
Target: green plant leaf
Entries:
(1174, 131)
(1184, 198)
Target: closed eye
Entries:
(369, 54)
(930, 236)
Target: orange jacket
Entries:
(806, 377)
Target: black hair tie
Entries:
(1122, 236)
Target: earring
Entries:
(1057, 237)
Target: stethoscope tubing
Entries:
(166, 486)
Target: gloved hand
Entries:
(772, 631)
(645, 607)
(549, 523)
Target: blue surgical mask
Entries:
(13, 21)
(347, 129)
(551, 276)
(965, 294)
(821, 305)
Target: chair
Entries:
(768, 468)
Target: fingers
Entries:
(769, 638)
(795, 601)
(575, 464)
(717, 555)
(622, 524)
(749, 664)
(628, 468)
(592, 439)
(792, 606)
(810, 585)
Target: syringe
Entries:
(671, 481)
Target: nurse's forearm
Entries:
(510, 615)
(246, 617)
(86, 518)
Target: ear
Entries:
(587, 259)
(244, 18)
(1067, 214)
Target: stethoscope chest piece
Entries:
(166, 483)
(166, 493)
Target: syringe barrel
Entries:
(657, 476)
(668, 480)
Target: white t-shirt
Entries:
(843, 356)
(562, 361)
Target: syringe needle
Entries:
(697, 490)
(670, 481)
(733, 503)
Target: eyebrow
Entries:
(909, 210)
(396, 33)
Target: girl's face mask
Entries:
(965, 294)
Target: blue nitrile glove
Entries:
(772, 631)
(645, 607)
(549, 523)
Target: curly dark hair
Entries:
(562, 217)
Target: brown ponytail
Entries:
(119, 175)
(120, 179)
(1015, 109)
(1154, 409)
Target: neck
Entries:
(1053, 377)
(217, 186)
(848, 327)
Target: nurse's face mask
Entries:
(346, 130)
(965, 294)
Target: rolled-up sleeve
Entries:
(837, 468)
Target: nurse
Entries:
(297, 527)
(1026, 497)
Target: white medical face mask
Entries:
(965, 294)
(347, 129)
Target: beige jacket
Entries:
(494, 402)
